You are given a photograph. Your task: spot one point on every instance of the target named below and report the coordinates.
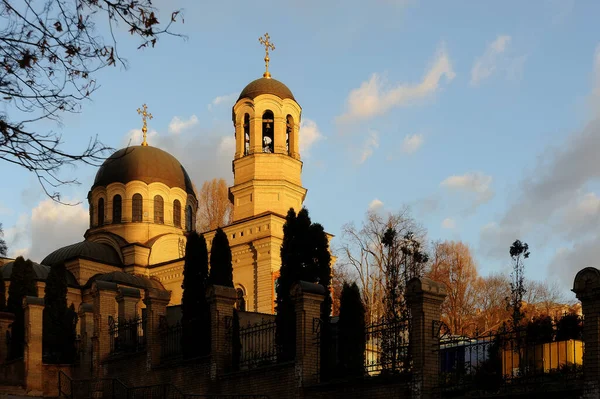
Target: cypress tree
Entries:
(195, 315)
(2, 293)
(22, 283)
(55, 310)
(70, 328)
(221, 268)
(351, 332)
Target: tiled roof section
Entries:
(41, 273)
(144, 163)
(86, 249)
(266, 86)
(130, 280)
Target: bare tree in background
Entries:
(374, 259)
(544, 298)
(452, 264)
(50, 53)
(214, 208)
(3, 246)
(490, 302)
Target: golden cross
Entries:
(268, 45)
(145, 115)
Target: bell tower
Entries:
(266, 167)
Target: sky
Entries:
(482, 117)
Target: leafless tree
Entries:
(214, 207)
(490, 302)
(50, 51)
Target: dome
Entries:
(123, 278)
(41, 273)
(87, 250)
(144, 163)
(266, 86)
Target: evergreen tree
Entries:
(57, 338)
(70, 328)
(221, 268)
(351, 332)
(2, 293)
(22, 283)
(3, 246)
(195, 314)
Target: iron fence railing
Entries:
(257, 345)
(386, 349)
(171, 341)
(127, 336)
(508, 359)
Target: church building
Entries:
(142, 204)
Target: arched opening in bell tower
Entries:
(246, 134)
(289, 130)
(268, 132)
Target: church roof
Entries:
(123, 278)
(87, 250)
(266, 86)
(145, 163)
(41, 273)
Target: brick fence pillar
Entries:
(86, 331)
(156, 307)
(127, 300)
(104, 294)
(307, 302)
(6, 319)
(221, 300)
(33, 308)
(424, 298)
(587, 289)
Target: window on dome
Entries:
(91, 215)
(246, 134)
(289, 130)
(177, 213)
(159, 209)
(117, 209)
(136, 208)
(188, 218)
(268, 136)
(100, 211)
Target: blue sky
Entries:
(481, 116)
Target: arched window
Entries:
(117, 209)
(159, 209)
(289, 130)
(136, 208)
(177, 213)
(246, 134)
(188, 218)
(100, 211)
(91, 214)
(240, 302)
(268, 136)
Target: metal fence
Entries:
(257, 345)
(387, 349)
(171, 341)
(509, 359)
(127, 336)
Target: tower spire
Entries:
(268, 45)
(145, 115)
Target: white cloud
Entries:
(49, 226)
(375, 97)
(136, 137)
(227, 99)
(309, 135)
(474, 182)
(492, 59)
(448, 223)
(369, 146)
(177, 125)
(227, 146)
(375, 204)
(412, 143)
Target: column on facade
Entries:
(221, 301)
(6, 319)
(33, 308)
(307, 299)
(256, 134)
(279, 123)
(156, 301)
(424, 298)
(267, 250)
(104, 294)
(127, 300)
(587, 289)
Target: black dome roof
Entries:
(266, 86)
(86, 249)
(144, 163)
(41, 273)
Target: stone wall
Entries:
(13, 372)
